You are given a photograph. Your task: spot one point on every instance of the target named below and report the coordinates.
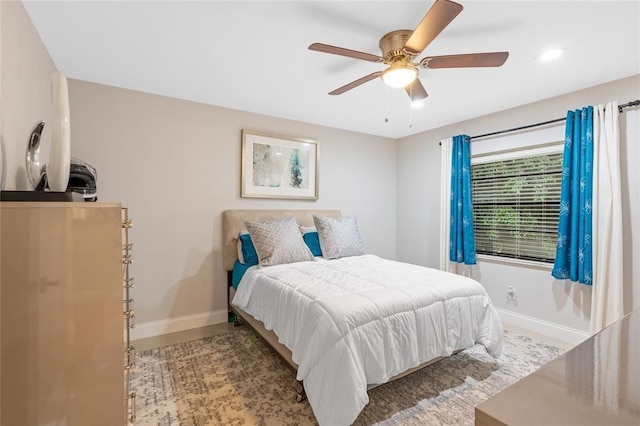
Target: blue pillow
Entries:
(249, 253)
(238, 272)
(313, 242)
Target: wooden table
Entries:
(595, 383)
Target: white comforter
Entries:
(361, 320)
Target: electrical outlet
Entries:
(511, 293)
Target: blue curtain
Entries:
(462, 242)
(573, 252)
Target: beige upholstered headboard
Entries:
(233, 223)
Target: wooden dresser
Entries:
(595, 383)
(63, 355)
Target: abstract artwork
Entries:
(279, 167)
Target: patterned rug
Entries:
(234, 379)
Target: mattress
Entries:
(357, 321)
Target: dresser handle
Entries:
(127, 223)
(129, 282)
(131, 322)
(127, 247)
(128, 305)
(131, 398)
(131, 354)
(130, 316)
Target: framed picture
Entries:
(279, 167)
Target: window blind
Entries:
(516, 205)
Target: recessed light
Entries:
(417, 104)
(551, 54)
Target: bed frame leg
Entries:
(301, 395)
(235, 319)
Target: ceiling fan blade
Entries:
(490, 59)
(416, 91)
(326, 48)
(437, 18)
(356, 83)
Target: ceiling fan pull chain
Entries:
(410, 106)
(386, 104)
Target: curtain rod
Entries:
(515, 129)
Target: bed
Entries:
(347, 324)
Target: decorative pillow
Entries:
(307, 229)
(247, 254)
(339, 236)
(310, 236)
(278, 241)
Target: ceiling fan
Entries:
(400, 48)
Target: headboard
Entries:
(233, 223)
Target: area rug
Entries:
(234, 379)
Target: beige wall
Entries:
(176, 165)
(26, 90)
(539, 296)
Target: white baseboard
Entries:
(545, 328)
(158, 328)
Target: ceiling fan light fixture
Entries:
(399, 75)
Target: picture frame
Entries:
(279, 166)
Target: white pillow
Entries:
(278, 241)
(339, 236)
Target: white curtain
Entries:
(607, 291)
(445, 203)
(445, 215)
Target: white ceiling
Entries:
(253, 56)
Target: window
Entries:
(516, 202)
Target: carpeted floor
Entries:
(234, 379)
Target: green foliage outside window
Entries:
(516, 205)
